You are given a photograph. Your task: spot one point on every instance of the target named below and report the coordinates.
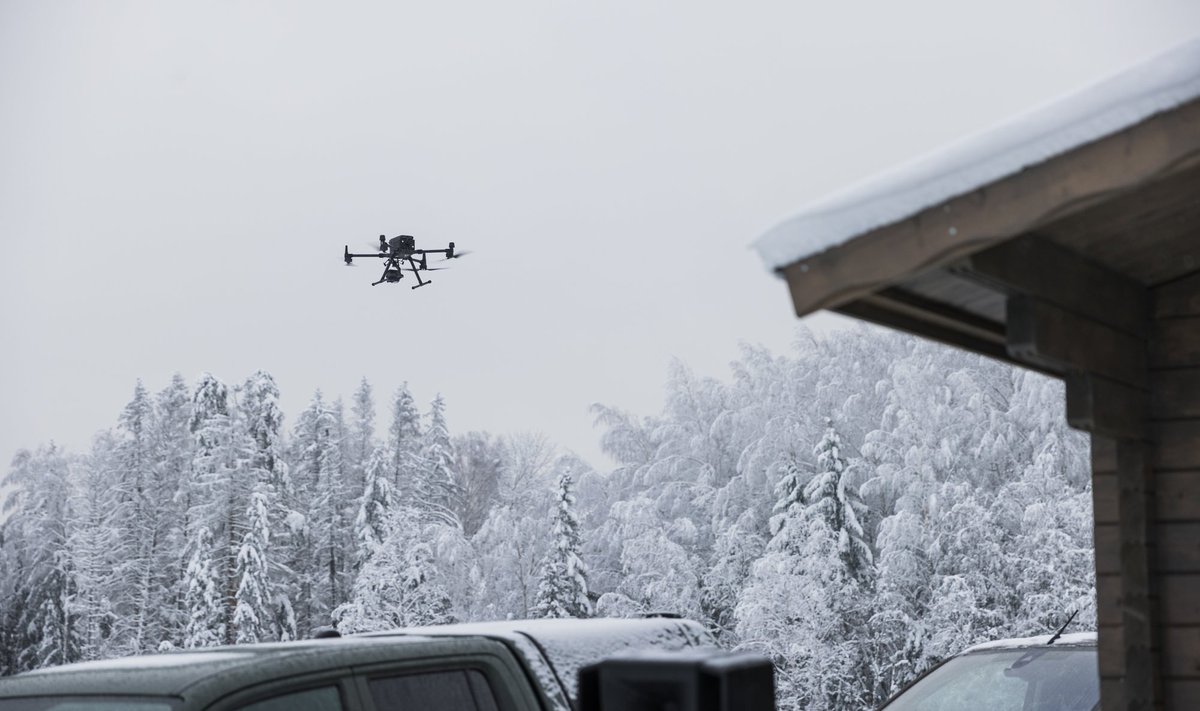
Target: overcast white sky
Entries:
(177, 181)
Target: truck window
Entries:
(457, 690)
(325, 698)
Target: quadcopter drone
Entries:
(398, 250)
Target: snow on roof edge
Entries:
(1106, 107)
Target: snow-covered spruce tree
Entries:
(774, 609)
(438, 494)
(832, 498)
(137, 520)
(39, 528)
(334, 511)
(320, 527)
(788, 512)
(206, 621)
(404, 445)
(262, 419)
(97, 548)
(172, 473)
(254, 612)
(562, 585)
(399, 586)
(223, 480)
(360, 440)
(370, 524)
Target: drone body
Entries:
(396, 252)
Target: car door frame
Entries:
(508, 682)
(342, 678)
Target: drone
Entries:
(398, 250)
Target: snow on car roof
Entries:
(152, 661)
(1162, 83)
(1075, 639)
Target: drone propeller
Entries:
(457, 254)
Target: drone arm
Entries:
(448, 252)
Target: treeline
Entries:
(856, 510)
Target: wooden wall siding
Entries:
(1139, 637)
(1176, 342)
(1180, 694)
(1178, 298)
(1174, 356)
(1102, 354)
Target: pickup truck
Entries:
(493, 666)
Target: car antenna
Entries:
(1064, 626)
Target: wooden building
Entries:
(1068, 241)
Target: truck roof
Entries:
(190, 672)
(551, 650)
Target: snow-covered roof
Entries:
(1074, 639)
(1160, 84)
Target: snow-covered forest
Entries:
(856, 509)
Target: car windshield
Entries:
(1009, 680)
(88, 703)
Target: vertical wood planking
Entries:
(1138, 619)
(1174, 361)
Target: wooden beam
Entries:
(915, 314)
(1139, 623)
(1106, 407)
(1037, 267)
(1060, 341)
(1157, 147)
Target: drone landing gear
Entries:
(416, 272)
(391, 272)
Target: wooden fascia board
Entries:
(1159, 146)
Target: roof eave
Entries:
(1017, 204)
